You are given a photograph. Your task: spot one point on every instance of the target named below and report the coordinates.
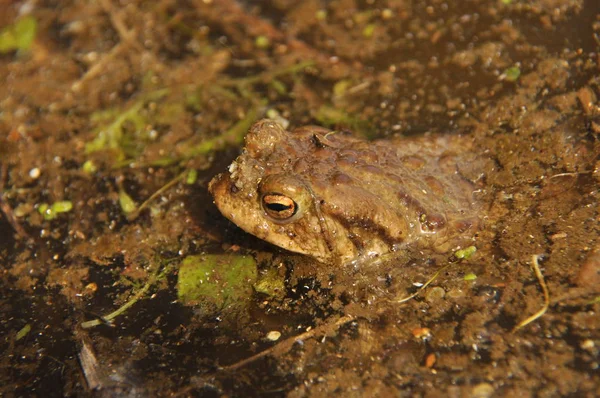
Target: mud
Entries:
(116, 101)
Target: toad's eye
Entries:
(284, 198)
(278, 206)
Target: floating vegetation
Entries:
(232, 137)
(270, 283)
(50, 212)
(470, 277)
(23, 332)
(321, 15)
(465, 253)
(127, 204)
(341, 87)
(213, 281)
(191, 177)
(262, 42)
(159, 273)
(18, 36)
(124, 132)
(127, 132)
(89, 167)
(511, 74)
(369, 30)
(328, 115)
(265, 77)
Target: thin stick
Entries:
(127, 40)
(107, 319)
(404, 299)
(538, 273)
(266, 75)
(287, 344)
(159, 192)
(571, 174)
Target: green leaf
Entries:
(214, 281)
(470, 277)
(63, 206)
(512, 74)
(89, 167)
(192, 177)
(23, 332)
(19, 35)
(262, 42)
(271, 283)
(465, 253)
(127, 204)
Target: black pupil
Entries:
(278, 207)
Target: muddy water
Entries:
(116, 98)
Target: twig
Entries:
(132, 216)
(571, 174)
(107, 319)
(116, 19)
(232, 137)
(438, 272)
(239, 24)
(267, 75)
(127, 40)
(538, 273)
(287, 344)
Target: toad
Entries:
(341, 199)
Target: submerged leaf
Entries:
(124, 132)
(465, 253)
(214, 281)
(50, 212)
(127, 204)
(470, 277)
(19, 35)
(512, 74)
(23, 332)
(271, 283)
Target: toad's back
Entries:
(338, 198)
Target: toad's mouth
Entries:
(235, 205)
(224, 194)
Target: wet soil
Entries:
(117, 101)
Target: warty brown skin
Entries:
(339, 199)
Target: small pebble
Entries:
(387, 13)
(422, 333)
(273, 335)
(557, 236)
(588, 344)
(435, 294)
(430, 360)
(482, 390)
(34, 173)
